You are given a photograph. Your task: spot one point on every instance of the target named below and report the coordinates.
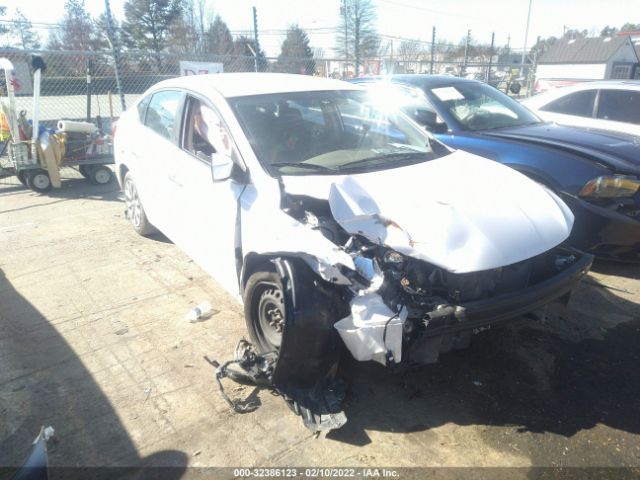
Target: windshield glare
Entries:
(481, 107)
(329, 132)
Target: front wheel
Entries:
(38, 180)
(135, 212)
(264, 311)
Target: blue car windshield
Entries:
(477, 106)
(330, 132)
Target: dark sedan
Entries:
(595, 172)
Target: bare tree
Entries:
(77, 30)
(410, 51)
(357, 36)
(23, 33)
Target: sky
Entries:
(397, 19)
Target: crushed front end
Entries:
(431, 311)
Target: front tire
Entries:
(264, 311)
(135, 211)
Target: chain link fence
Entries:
(81, 85)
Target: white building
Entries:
(590, 59)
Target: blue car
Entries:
(597, 173)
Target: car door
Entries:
(575, 109)
(207, 210)
(155, 147)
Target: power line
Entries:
(424, 9)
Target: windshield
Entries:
(479, 106)
(329, 132)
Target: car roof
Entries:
(251, 83)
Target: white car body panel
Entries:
(462, 212)
(537, 102)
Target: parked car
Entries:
(337, 220)
(596, 173)
(608, 105)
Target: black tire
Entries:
(85, 171)
(135, 211)
(38, 180)
(264, 311)
(100, 175)
(22, 178)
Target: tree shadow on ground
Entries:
(44, 382)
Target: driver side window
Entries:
(205, 133)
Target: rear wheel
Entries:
(99, 174)
(265, 311)
(135, 211)
(38, 180)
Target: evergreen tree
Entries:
(219, 39)
(296, 55)
(248, 56)
(147, 23)
(77, 30)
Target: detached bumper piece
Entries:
(319, 406)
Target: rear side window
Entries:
(578, 103)
(619, 105)
(162, 112)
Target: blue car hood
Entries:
(616, 150)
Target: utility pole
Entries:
(466, 54)
(433, 48)
(526, 35)
(493, 40)
(255, 38)
(115, 52)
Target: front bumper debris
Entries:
(319, 406)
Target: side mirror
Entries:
(429, 120)
(221, 167)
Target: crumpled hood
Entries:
(461, 212)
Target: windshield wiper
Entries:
(384, 156)
(307, 166)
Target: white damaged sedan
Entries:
(338, 221)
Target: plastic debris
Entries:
(199, 312)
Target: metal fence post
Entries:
(88, 89)
(115, 53)
(493, 39)
(433, 48)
